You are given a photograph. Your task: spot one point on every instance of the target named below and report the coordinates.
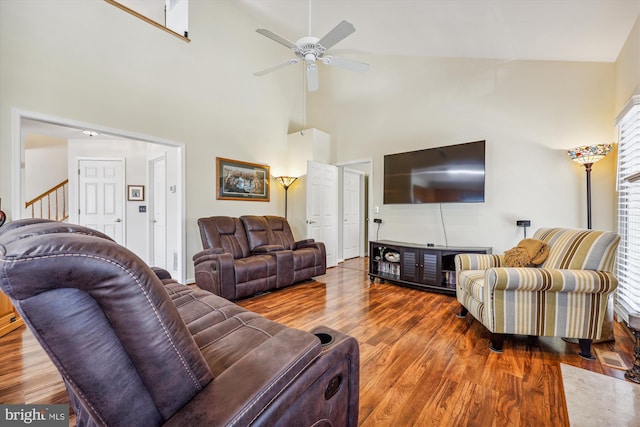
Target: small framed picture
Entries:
(135, 193)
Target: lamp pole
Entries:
(587, 167)
(286, 201)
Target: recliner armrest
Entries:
(215, 272)
(265, 249)
(478, 261)
(309, 243)
(550, 280)
(211, 251)
(161, 273)
(304, 242)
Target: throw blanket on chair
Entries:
(528, 252)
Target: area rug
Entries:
(598, 400)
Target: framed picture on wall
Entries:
(237, 180)
(135, 193)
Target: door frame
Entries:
(18, 156)
(361, 208)
(151, 176)
(367, 166)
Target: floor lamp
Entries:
(286, 182)
(587, 155)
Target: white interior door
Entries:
(158, 214)
(351, 213)
(101, 197)
(322, 207)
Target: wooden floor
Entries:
(420, 365)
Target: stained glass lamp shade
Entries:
(589, 153)
(286, 182)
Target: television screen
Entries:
(451, 174)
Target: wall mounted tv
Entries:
(451, 174)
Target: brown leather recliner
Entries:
(251, 254)
(134, 347)
(227, 267)
(309, 256)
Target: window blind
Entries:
(628, 272)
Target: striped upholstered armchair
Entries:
(566, 296)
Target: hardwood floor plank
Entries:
(419, 363)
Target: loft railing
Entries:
(52, 204)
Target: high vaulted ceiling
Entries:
(562, 30)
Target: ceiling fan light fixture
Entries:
(310, 49)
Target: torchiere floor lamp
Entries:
(587, 155)
(286, 182)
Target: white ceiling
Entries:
(564, 30)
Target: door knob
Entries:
(117, 220)
(310, 221)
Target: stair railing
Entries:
(52, 204)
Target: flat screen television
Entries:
(451, 174)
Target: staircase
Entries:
(52, 204)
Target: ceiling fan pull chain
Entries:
(309, 17)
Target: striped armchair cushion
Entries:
(579, 249)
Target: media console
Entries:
(424, 267)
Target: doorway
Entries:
(139, 147)
(352, 188)
(364, 169)
(158, 211)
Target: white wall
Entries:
(45, 159)
(628, 69)
(529, 112)
(99, 65)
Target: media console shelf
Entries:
(424, 267)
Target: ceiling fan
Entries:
(311, 49)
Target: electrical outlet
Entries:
(523, 223)
(377, 220)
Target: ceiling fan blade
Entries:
(338, 33)
(347, 64)
(275, 37)
(276, 67)
(312, 77)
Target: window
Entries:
(629, 210)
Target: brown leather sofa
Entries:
(251, 254)
(136, 348)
